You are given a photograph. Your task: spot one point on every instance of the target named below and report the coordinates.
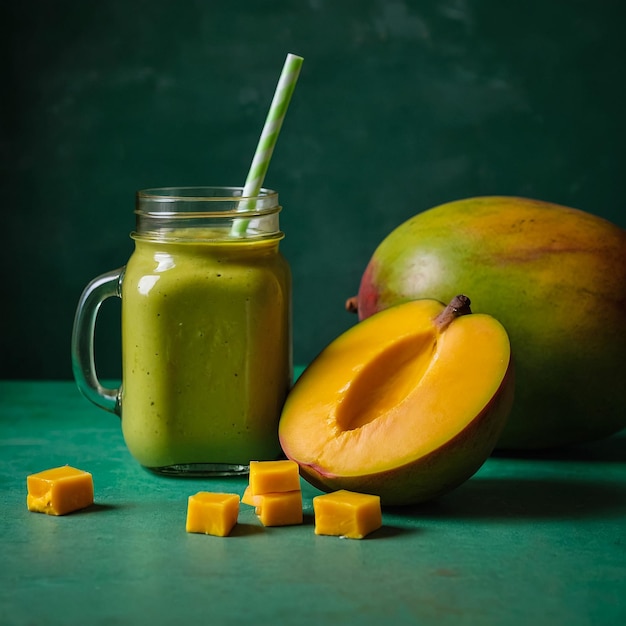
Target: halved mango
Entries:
(402, 405)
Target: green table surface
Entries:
(527, 540)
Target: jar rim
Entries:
(161, 210)
(185, 203)
(206, 193)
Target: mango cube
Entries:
(249, 498)
(280, 509)
(212, 513)
(273, 476)
(59, 490)
(347, 514)
(274, 491)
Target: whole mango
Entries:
(555, 277)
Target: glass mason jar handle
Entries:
(83, 362)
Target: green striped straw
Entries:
(267, 141)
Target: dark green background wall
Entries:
(401, 105)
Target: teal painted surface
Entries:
(401, 105)
(525, 541)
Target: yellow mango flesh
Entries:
(391, 391)
(251, 499)
(212, 513)
(347, 514)
(280, 509)
(274, 491)
(273, 476)
(59, 490)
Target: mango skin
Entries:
(555, 277)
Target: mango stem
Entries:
(459, 305)
(352, 304)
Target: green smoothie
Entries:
(206, 346)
